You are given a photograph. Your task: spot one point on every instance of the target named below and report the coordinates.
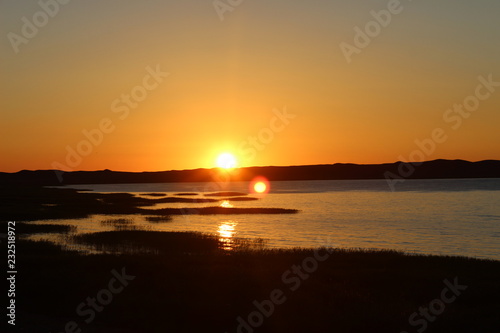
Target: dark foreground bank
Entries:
(189, 282)
(193, 286)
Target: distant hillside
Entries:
(426, 170)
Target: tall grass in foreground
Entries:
(134, 241)
(191, 286)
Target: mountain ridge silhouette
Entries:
(436, 169)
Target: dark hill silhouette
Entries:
(427, 170)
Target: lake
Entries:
(445, 217)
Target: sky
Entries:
(162, 85)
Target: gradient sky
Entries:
(227, 76)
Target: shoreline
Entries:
(338, 290)
(149, 281)
(123, 211)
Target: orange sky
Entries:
(270, 83)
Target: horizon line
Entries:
(263, 166)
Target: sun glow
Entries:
(226, 161)
(260, 186)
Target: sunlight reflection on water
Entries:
(226, 231)
(226, 204)
(437, 222)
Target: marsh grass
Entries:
(239, 199)
(122, 224)
(190, 285)
(158, 242)
(186, 282)
(37, 203)
(132, 227)
(185, 200)
(186, 193)
(30, 228)
(40, 248)
(225, 194)
(245, 244)
(217, 210)
(154, 194)
(149, 241)
(114, 222)
(159, 219)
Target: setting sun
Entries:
(226, 161)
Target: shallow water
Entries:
(449, 217)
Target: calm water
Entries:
(452, 217)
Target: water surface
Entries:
(450, 217)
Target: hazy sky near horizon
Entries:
(274, 82)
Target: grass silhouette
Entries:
(225, 194)
(186, 283)
(29, 228)
(38, 203)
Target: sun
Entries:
(226, 161)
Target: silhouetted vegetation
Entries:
(193, 282)
(159, 219)
(217, 211)
(240, 199)
(30, 228)
(225, 194)
(115, 222)
(155, 194)
(190, 285)
(39, 203)
(188, 200)
(186, 193)
(160, 242)
(123, 224)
